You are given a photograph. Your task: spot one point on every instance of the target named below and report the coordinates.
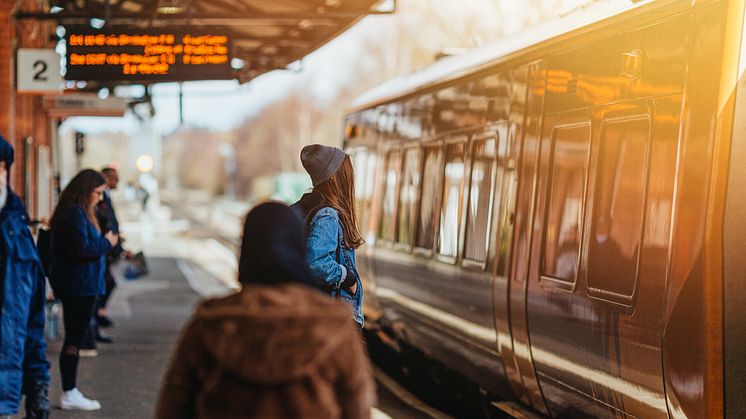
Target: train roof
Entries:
(455, 67)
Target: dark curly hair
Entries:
(78, 194)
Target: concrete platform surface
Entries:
(125, 377)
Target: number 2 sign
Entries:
(38, 71)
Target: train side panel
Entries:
(590, 285)
(601, 229)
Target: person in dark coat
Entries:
(276, 349)
(23, 363)
(76, 273)
(107, 218)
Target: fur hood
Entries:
(271, 334)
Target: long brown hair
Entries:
(339, 193)
(78, 194)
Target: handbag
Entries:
(136, 268)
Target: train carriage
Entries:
(556, 216)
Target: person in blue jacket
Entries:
(333, 235)
(76, 273)
(23, 363)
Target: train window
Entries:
(359, 160)
(408, 196)
(364, 164)
(431, 172)
(481, 195)
(567, 172)
(618, 210)
(453, 190)
(391, 179)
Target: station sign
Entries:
(156, 54)
(84, 104)
(38, 71)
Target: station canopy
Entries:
(246, 37)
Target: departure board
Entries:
(167, 54)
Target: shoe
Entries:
(104, 338)
(87, 353)
(74, 399)
(104, 321)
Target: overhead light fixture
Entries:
(268, 50)
(170, 10)
(144, 163)
(97, 23)
(386, 6)
(305, 24)
(55, 9)
(238, 64)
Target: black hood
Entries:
(6, 155)
(273, 249)
(13, 204)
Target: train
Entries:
(557, 216)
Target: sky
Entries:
(323, 72)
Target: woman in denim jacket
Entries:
(333, 236)
(77, 273)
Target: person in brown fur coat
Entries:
(277, 348)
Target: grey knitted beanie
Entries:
(321, 162)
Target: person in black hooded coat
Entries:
(277, 348)
(23, 363)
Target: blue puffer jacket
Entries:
(78, 255)
(22, 345)
(326, 254)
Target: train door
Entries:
(557, 307)
(625, 256)
(598, 260)
(365, 164)
(518, 363)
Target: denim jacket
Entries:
(78, 255)
(325, 238)
(22, 345)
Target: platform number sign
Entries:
(38, 71)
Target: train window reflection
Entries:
(391, 178)
(618, 213)
(567, 172)
(364, 164)
(481, 195)
(408, 195)
(431, 172)
(453, 190)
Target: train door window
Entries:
(431, 172)
(481, 196)
(453, 191)
(618, 210)
(391, 180)
(359, 162)
(568, 163)
(364, 164)
(410, 186)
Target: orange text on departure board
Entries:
(159, 52)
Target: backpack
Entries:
(44, 247)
